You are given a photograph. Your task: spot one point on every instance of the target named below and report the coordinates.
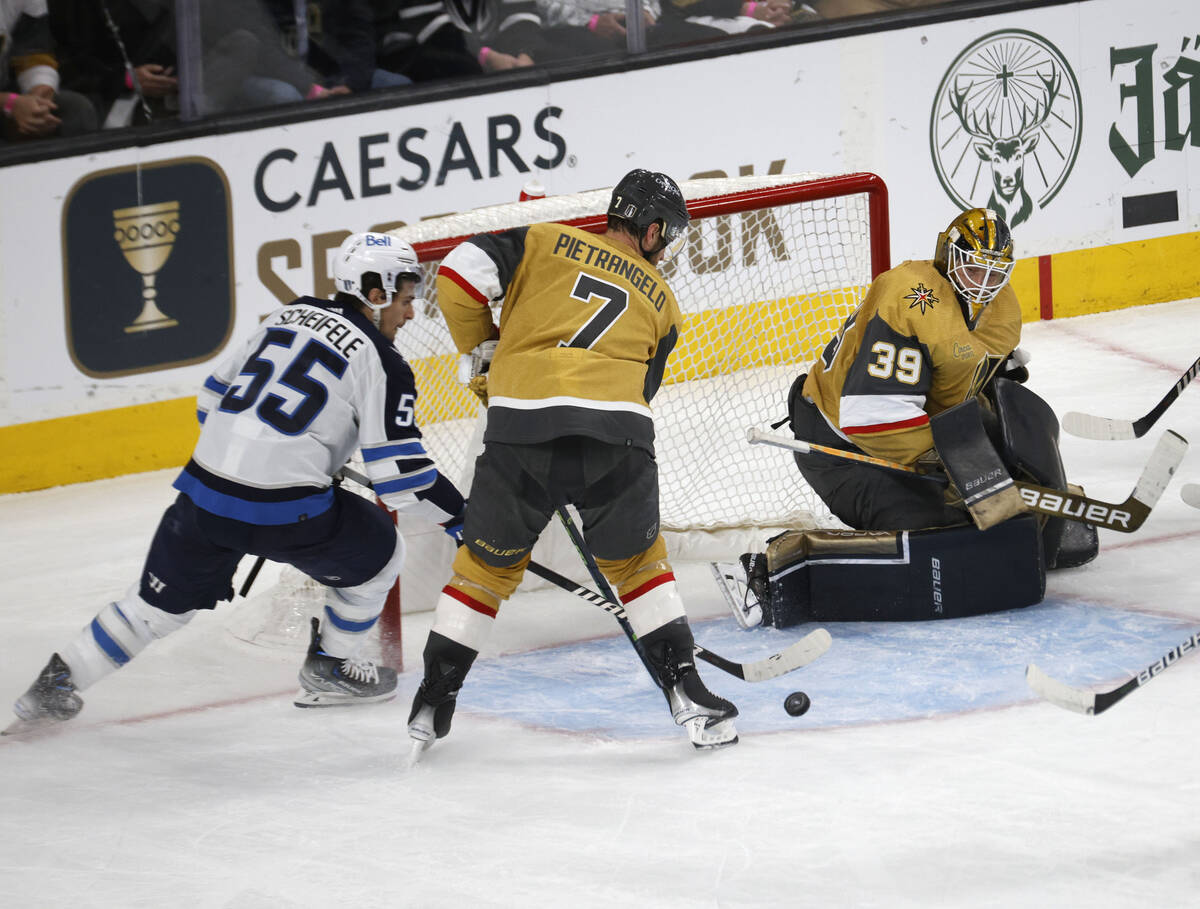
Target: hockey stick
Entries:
(1125, 517)
(1092, 702)
(1087, 426)
(793, 657)
(790, 658)
(758, 437)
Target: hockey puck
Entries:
(797, 703)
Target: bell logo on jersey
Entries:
(148, 267)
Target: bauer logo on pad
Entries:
(148, 267)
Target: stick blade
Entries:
(1160, 468)
(1058, 693)
(1102, 429)
(810, 647)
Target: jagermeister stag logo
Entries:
(1006, 125)
(148, 267)
(146, 235)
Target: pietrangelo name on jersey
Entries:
(577, 250)
(341, 336)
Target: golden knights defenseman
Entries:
(929, 335)
(280, 418)
(585, 330)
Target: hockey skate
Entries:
(446, 665)
(707, 717)
(50, 699)
(329, 681)
(744, 585)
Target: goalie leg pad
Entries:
(849, 576)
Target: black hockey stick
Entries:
(1081, 700)
(1087, 426)
(793, 657)
(1125, 517)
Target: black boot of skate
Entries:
(50, 699)
(708, 718)
(329, 681)
(447, 663)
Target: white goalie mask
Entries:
(360, 254)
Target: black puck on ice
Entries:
(797, 703)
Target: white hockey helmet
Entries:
(361, 254)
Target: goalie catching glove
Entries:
(473, 367)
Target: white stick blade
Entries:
(803, 652)
(1103, 429)
(1191, 494)
(1160, 468)
(1058, 693)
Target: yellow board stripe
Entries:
(124, 440)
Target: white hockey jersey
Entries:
(282, 415)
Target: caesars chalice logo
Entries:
(1005, 127)
(146, 234)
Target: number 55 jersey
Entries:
(585, 331)
(907, 353)
(283, 414)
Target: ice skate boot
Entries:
(707, 717)
(50, 699)
(329, 681)
(446, 665)
(744, 584)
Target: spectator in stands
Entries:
(418, 39)
(598, 26)
(336, 40)
(111, 52)
(33, 105)
(737, 16)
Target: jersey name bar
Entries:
(577, 250)
(339, 333)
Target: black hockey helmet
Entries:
(643, 197)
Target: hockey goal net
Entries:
(771, 267)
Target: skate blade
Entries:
(710, 738)
(20, 727)
(308, 698)
(419, 747)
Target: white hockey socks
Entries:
(652, 607)
(351, 612)
(118, 633)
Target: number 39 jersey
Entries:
(585, 331)
(905, 354)
(287, 410)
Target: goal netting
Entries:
(770, 269)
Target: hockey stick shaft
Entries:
(799, 654)
(758, 437)
(1090, 702)
(1125, 517)
(1106, 428)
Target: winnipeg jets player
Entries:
(317, 380)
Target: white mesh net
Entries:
(770, 270)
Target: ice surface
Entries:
(925, 774)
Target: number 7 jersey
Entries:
(585, 331)
(905, 354)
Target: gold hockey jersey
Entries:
(585, 330)
(908, 353)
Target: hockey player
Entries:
(929, 338)
(317, 380)
(585, 330)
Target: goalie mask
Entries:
(975, 253)
(391, 260)
(643, 198)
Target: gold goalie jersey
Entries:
(585, 331)
(908, 353)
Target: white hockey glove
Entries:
(1014, 367)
